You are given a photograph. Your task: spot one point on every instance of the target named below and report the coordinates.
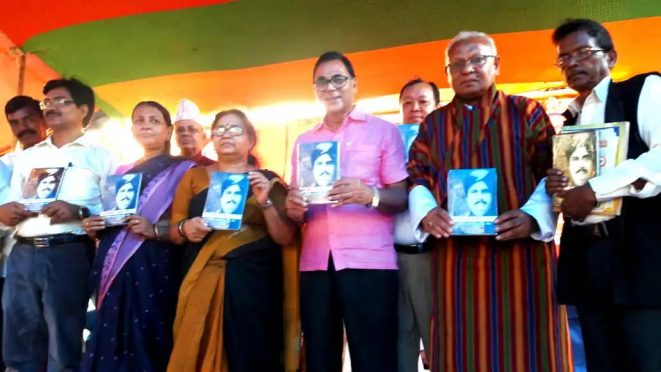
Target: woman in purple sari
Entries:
(135, 273)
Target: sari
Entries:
(238, 303)
(136, 282)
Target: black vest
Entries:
(625, 267)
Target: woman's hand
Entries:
(295, 206)
(195, 229)
(260, 186)
(140, 226)
(93, 225)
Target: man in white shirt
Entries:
(46, 289)
(417, 99)
(610, 268)
(28, 126)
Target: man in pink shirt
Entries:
(348, 263)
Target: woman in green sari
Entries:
(230, 310)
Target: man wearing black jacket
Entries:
(610, 269)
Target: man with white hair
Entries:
(189, 133)
(493, 302)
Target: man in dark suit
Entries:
(611, 268)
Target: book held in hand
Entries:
(318, 167)
(409, 132)
(473, 201)
(226, 200)
(582, 152)
(119, 197)
(42, 187)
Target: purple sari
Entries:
(138, 282)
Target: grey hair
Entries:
(467, 35)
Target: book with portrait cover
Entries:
(226, 200)
(409, 132)
(585, 151)
(42, 187)
(473, 201)
(318, 166)
(120, 195)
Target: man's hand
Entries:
(296, 206)
(515, 225)
(11, 214)
(578, 202)
(60, 211)
(437, 223)
(350, 191)
(555, 181)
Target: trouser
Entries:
(366, 300)
(414, 308)
(621, 339)
(45, 300)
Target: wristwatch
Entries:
(267, 204)
(83, 212)
(375, 197)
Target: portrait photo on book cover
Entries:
(119, 197)
(121, 192)
(472, 192)
(226, 200)
(318, 164)
(576, 155)
(43, 184)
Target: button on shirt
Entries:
(86, 166)
(358, 237)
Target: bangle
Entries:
(155, 229)
(180, 228)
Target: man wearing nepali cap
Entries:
(189, 133)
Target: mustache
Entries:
(583, 170)
(481, 201)
(26, 132)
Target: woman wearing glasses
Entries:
(229, 315)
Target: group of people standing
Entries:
(379, 264)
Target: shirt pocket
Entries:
(80, 184)
(364, 162)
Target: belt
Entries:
(410, 248)
(52, 240)
(598, 230)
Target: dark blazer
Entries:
(622, 263)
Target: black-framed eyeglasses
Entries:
(458, 66)
(337, 81)
(56, 102)
(230, 129)
(578, 54)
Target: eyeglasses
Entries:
(459, 66)
(57, 102)
(337, 81)
(231, 130)
(578, 54)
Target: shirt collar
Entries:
(600, 92)
(354, 116)
(83, 140)
(601, 89)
